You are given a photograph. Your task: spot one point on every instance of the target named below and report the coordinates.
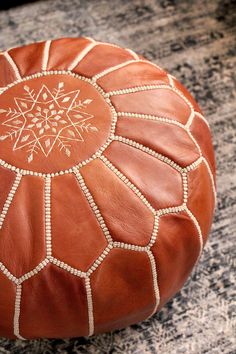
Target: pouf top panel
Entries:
(107, 188)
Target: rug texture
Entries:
(196, 42)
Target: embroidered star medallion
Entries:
(47, 120)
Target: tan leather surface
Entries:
(156, 136)
(128, 291)
(132, 75)
(77, 236)
(7, 74)
(152, 176)
(22, 241)
(54, 302)
(106, 198)
(175, 255)
(139, 228)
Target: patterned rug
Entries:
(196, 42)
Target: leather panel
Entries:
(159, 102)
(7, 74)
(22, 237)
(7, 305)
(164, 138)
(135, 74)
(127, 218)
(53, 305)
(201, 198)
(101, 57)
(118, 298)
(29, 58)
(176, 251)
(77, 236)
(159, 182)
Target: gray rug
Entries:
(196, 42)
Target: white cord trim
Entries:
(66, 267)
(119, 66)
(48, 230)
(134, 55)
(9, 199)
(195, 222)
(13, 65)
(90, 306)
(46, 55)
(17, 312)
(148, 151)
(113, 68)
(202, 117)
(193, 165)
(127, 182)
(155, 281)
(151, 117)
(92, 204)
(190, 119)
(171, 81)
(81, 55)
(211, 178)
(8, 274)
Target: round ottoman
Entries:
(107, 188)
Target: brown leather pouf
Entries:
(107, 188)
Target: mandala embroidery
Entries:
(46, 120)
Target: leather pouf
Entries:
(107, 190)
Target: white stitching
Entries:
(13, 65)
(202, 117)
(100, 259)
(151, 117)
(127, 182)
(46, 55)
(113, 68)
(9, 199)
(193, 218)
(66, 267)
(211, 178)
(48, 215)
(155, 281)
(134, 55)
(149, 151)
(119, 66)
(81, 55)
(8, 274)
(92, 204)
(147, 88)
(90, 306)
(17, 312)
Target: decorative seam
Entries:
(17, 312)
(48, 230)
(9, 199)
(195, 222)
(151, 117)
(13, 65)
(211, 178)
(127, 182)
(155, 282)
(46, 55)
(147, 88)
(90, 306)
(92, 204)
(81, 55)
(66, 267)
(134, 55)
(148, 151)
(202, 117)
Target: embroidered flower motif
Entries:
(46, 120)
